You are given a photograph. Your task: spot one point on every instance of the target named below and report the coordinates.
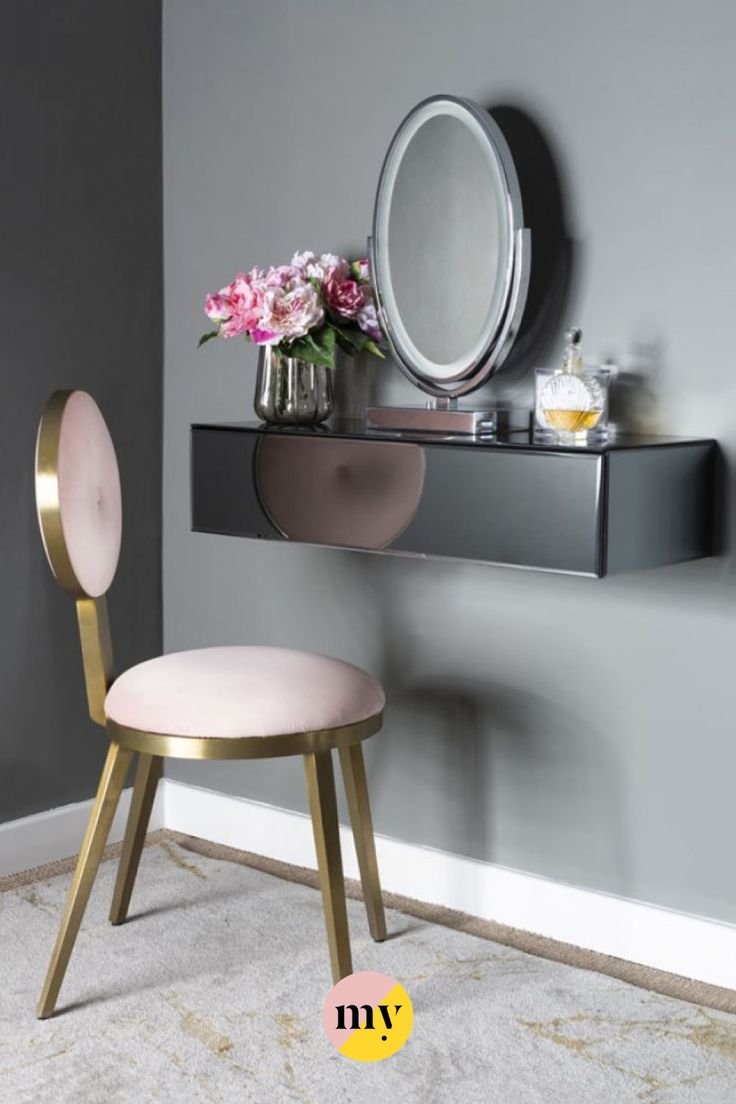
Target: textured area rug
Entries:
(213, 993)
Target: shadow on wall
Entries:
(635, 390)
(555, 274)
(555, 255)
(559, 777)
(357, 383)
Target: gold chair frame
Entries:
(153, 747)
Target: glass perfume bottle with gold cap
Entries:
(571, 402)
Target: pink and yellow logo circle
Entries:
(367, 1016)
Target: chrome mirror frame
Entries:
(505, 323)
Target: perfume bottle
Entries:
(571, 402)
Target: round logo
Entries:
(367, 1016)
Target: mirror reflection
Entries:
(446, 239)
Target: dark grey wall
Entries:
(81, 302)
(572, 728)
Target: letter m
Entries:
(354, 1011)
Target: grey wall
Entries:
(80, 265)
(577, 729)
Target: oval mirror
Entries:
(449, 255)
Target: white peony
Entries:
(323, 268)
(293, 310)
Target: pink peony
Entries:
(345, 297)
(245, 295)
(217, 306)
(288, 301)
(334, 267)
(291, 311)
(280, 277)
(264, 337)
(238, 306)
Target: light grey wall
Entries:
(576, 729)
(81, 303)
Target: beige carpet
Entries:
(213, 993)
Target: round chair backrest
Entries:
(78, 494)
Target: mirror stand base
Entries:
(444, 417)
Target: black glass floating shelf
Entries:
(630, 503)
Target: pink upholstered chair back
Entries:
(78, 494)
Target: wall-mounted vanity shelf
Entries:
(632, 503)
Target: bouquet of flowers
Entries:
(306, 308)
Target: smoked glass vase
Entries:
(290, 391)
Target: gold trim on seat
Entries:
(153, 747)
(243, 747)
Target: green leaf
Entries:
(316, 348)
(327, 360)
(207, 337)
(325, 339)
(372, 347)
(346, 344)
(297, 348)
(349, 340)
(353, 341)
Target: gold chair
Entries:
(214, 703)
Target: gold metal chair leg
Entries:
(323, 806)
(144, 791)
(98, 827)
(356, 789)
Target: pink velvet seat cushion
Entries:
(242, 691)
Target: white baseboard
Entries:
(693, 946)
(57, 834)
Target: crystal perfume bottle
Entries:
(571, 402)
